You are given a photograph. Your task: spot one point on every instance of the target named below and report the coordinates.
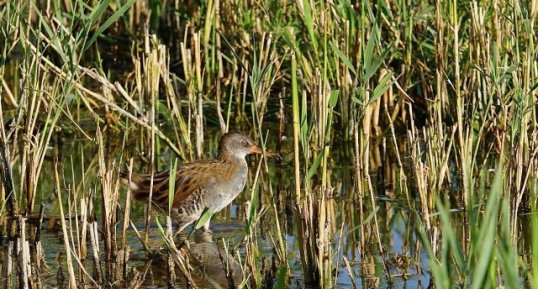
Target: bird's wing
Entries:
(193, 177)
(140, 184)
(190, 178)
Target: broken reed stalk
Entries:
(94, 242)
(24, 255)
(84, 215)
(36, 251)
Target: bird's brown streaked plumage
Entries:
(189, 177)
(199, 184)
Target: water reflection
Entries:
(209, 266)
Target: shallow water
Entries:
(404, 259)
(397, 221)
(412, 275)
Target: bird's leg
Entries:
(206, 225)
(182, 227)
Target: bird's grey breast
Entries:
(226, 192)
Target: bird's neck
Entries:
(225, 156)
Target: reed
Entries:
(380, 110)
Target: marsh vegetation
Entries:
(407, 131)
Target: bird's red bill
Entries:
(256, 150)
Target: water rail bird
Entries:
(200, 184)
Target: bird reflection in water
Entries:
(210, 266)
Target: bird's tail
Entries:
(140, 186)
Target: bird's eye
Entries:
(244, 143)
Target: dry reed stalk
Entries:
(94, 240)
(522, 190)
(296, 124)
(252, 259)
(8, 192)
(325, 231)
(199, 124)
(350, 272)
(195, 96)
(9, 264)
(373, 203)
(36, 250)
(220, 73)
(243, 83)
(74, 227)
(7, 205)
(126, 220)
(229, 272)
(151, 91)
(83, 273)
(188, 70)
(83, 245)
(67, 244)
(339, 247)
(12, 101)
(34, 148)
(359, 195)
(23, 255)
(109, 195)
(281, 244)
(139, 236)
(169, 260)
(251, 242)
(180, 257)
(421, 173)
(174, 105)
(315, 219)
(85, 91)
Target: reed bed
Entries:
(419, 113)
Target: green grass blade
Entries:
(309, 23)
(382, 86)
(172, 186)
(206, 214)
(342, 57)
(110, 21)
(282, 276)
